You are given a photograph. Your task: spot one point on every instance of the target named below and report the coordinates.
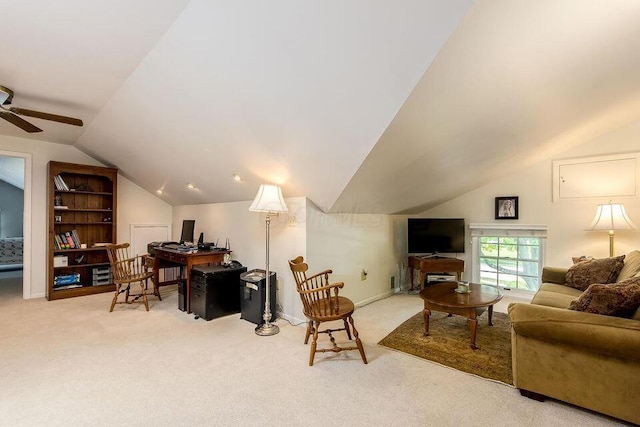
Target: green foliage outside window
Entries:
(510, 262)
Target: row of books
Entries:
(67, 240)
(60, 184)
(67, 281)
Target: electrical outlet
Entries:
(363, 274)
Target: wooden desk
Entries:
(165, 257)
(434, 265)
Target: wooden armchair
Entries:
(321, 303)
(127, 270)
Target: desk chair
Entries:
(321, 303)
(127, 270)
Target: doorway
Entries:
(15, 222)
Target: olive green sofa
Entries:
(589, 360)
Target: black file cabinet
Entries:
(214, 290)
(254, 295)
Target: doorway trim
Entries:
(26, 222)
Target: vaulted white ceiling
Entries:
(362, 106)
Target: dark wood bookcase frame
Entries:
(91, 206)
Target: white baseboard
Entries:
(376, 298)
(295, 320)
(292, 320)
(40, 295)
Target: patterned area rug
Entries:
(448, 344)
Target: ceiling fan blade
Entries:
(46, 116)
(21, 123)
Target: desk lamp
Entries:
(269, 199)
(610, 217)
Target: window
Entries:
(510, 262)
(510, 256)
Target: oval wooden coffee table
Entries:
(443, 297)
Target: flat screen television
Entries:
(435, 235)
(188, 226)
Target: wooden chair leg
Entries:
(115, 298)
(358, 342)
(308, 333)
(314, 343)
(346, 328)
(144, 295)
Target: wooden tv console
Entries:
(434, 264)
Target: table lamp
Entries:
(611, 217)
(269, 199)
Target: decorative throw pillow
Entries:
(603, 271)
(621, 299)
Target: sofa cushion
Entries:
(561, 289)
(631, 266)
(554, 295)
(621, 299)
(601, 271)
(552, 299)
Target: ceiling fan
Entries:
(12, 114)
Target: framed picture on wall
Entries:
(507, 207)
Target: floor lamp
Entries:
(610, 217)
(269, 199)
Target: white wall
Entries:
(133, 202)
(348, 243)
(566, 219)
(343, 242)
(246, 233)
(137, 206)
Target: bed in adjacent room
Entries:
(11, 253)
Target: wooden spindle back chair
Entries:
(321, 302)
(127, 270)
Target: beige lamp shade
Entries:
(611, 217)
(269, 199)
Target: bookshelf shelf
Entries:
(87, 223)
(66, 251)
(83, 192)
(82, 211)
(82, 265)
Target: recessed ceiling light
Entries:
(190, 186)
(159, 191)
(237, 177)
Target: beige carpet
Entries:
(448, 344)
(72, 363)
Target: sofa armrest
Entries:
(555, 275)
(608, 335)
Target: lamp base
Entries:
(267, 329)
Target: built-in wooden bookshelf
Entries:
(82, 205)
